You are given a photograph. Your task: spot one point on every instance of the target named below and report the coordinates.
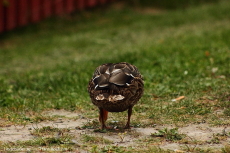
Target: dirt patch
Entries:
(202, 133)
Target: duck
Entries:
(115, 87)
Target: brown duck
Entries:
(115, 88)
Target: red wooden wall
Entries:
(14, 13)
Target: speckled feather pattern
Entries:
(121, 79)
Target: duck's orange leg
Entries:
(129, 116)
(103, 115)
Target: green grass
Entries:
(95, 139)
(169, 134)
(179, 53)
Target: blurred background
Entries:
(17, 13)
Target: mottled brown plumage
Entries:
(115, 88)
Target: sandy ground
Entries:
(195, 132)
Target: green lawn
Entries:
(183, 52)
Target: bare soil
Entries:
(202, 133)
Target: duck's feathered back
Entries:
(119, 74)
(116, 87)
